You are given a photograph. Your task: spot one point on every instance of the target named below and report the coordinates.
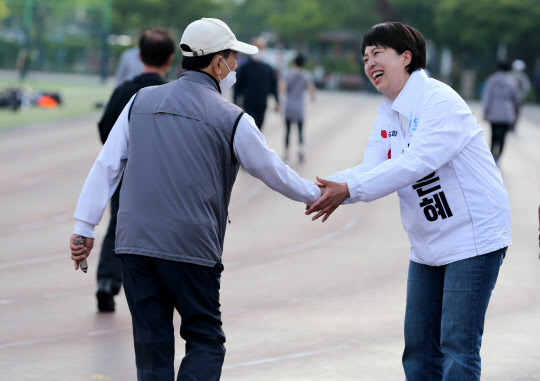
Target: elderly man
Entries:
(181, 145)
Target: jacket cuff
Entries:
(84, 229)
(355, 191)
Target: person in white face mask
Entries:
(179, 147)
(229, 80)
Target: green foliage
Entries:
(419, 14)
(287, 18)
(341, 65)
(249, 18)
(136, 15)
(473, 30)
(301, 21)
(463, 24)
(4, 11)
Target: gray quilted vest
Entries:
(179, 173)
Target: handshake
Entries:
(332, 195)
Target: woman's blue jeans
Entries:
(444, 317)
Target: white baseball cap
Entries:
(209, 35)
(518, 65)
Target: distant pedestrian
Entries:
(23, 63)
(500, 100)
(523, 84)
(536, 81)
(156, 47)
(522, 79)
(255, 81)
(295, 83)
(129, 65)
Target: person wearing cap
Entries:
(523, 85)
(180, 146)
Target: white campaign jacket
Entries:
(452, 198)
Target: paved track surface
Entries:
(300, 300)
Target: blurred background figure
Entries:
(295, 83)
(156, 47)
(500, 100)
(523, 84)
(536, 81)
(129, 65)
(23, 63)
(255, 81)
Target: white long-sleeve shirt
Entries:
(249, 147)
(428, 146)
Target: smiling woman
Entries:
(427, 145)
(382, 64)
(389, 58)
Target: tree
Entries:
(478, 28)
(4, 11)
(136, 15)
(301, 21)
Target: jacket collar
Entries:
(200, 77)
(409, 95)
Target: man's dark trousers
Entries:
(154, 288)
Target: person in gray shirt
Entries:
(500, 100)
(295, 83)
(129, 66)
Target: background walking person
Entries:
(255, 81)
(295, 83)
(500, 100)
(523, 84)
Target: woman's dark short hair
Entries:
(201, 62)
(399, 37)
(156, 47)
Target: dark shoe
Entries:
(107, 289)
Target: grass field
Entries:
(79, 96)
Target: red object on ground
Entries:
(46, 101)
